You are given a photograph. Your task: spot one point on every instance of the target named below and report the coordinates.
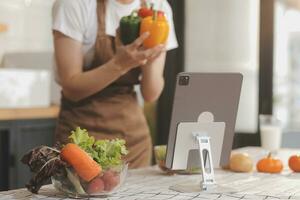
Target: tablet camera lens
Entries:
(184, 80)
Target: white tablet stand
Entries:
(199, 135)
(207, 169)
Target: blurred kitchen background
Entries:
(259, 38)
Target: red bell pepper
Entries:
(147, 12)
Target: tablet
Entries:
(195, 93)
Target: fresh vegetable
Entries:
(130, 28)
(75, 181)
(148, 12)
(43, 161)
(111, 180)
(107, 153)
(83, 164)
(76, 168)
(269, 165)
(158, 28)
(95, 186)
(145, 12)
(241, 162)
(294, 163)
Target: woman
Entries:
(97, 73)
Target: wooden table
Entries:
(151, 183)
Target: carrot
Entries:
(84, 165)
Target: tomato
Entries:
(294, 163)
(111, 180)
(95, 186)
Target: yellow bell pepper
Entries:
(158, 28)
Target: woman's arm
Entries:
(152, 82)
(77, 84)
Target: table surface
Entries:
(151, 183)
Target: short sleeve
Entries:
(172, 40)
(69, 17)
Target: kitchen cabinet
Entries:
(20, 131)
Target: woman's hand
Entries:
(134, 55)
(76, 83)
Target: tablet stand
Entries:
(198, 135)
(207, 169)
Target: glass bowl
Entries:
(106, 183)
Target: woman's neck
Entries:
(125, 1)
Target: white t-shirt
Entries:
(77, 19)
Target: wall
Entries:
(29, 25)
(222, 36)
(29, 31)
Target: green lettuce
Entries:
(108, 153)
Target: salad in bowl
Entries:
(84, 167)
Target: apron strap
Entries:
(101, 13)
(105, 45)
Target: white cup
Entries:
(270, 132)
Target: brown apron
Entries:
(114, 111)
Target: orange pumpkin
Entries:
(294, 163)
(158, 28)
(269, 165)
